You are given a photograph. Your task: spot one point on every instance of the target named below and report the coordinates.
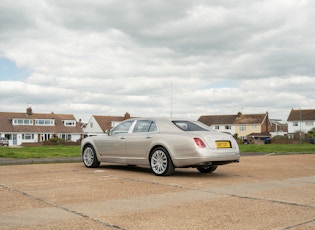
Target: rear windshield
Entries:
(189, 126)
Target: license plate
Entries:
(223, 144)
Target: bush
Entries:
(55, 141)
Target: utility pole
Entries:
(300, 126)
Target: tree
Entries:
(311, 133)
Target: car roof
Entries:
(164, 123)
(161, 119)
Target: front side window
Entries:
(122, 128)
(153, 127)
(145, 126)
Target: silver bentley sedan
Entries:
(163, 144)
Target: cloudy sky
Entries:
(157, 58)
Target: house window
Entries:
(309, 123)
(243, 128)
(227, 127)
(69, 122)
(45, 122)
(91, 124)
(295, 123)
(22, 122)
(45, 136)
(27, 136)
(217, 127)
(254, 127)
(66, 136)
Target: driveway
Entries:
(260, 192)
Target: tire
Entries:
(89, 157)
(207, 169)
(160, 162)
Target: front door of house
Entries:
(14, 139)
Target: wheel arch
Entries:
(91, 145)
(89, 156)
(162, 146)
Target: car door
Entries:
(113, 147)
(138, 142)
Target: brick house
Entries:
(246, 126)
(32, 127)
(278, 127)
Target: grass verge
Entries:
(278, 148)
(40, 151)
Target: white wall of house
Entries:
(33, 137)
(224, 128)
(75, 137)
(92, 127)
(278, 133)
(297, 126)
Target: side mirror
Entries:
(107, 131)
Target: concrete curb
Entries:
(12, 161)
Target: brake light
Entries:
(199, 142)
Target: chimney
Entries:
(127, 116)
(29, 111)
(239, 114)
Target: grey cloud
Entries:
(112, 56)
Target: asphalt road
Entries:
(260, 192)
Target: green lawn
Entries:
(74, 151)
(40, 151)
(279, 148)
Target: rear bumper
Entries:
(210, 160)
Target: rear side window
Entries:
(188, 126)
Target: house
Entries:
(278, 128)
(99, 124)
(246, 126)
(301, 120)
(32, 127)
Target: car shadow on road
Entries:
(179, 172)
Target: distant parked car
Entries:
(4, 141)
(311, 140)
(163, 144)
(267, 140)
(245, 142)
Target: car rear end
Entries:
(208, 148)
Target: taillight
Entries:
(199, 142)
